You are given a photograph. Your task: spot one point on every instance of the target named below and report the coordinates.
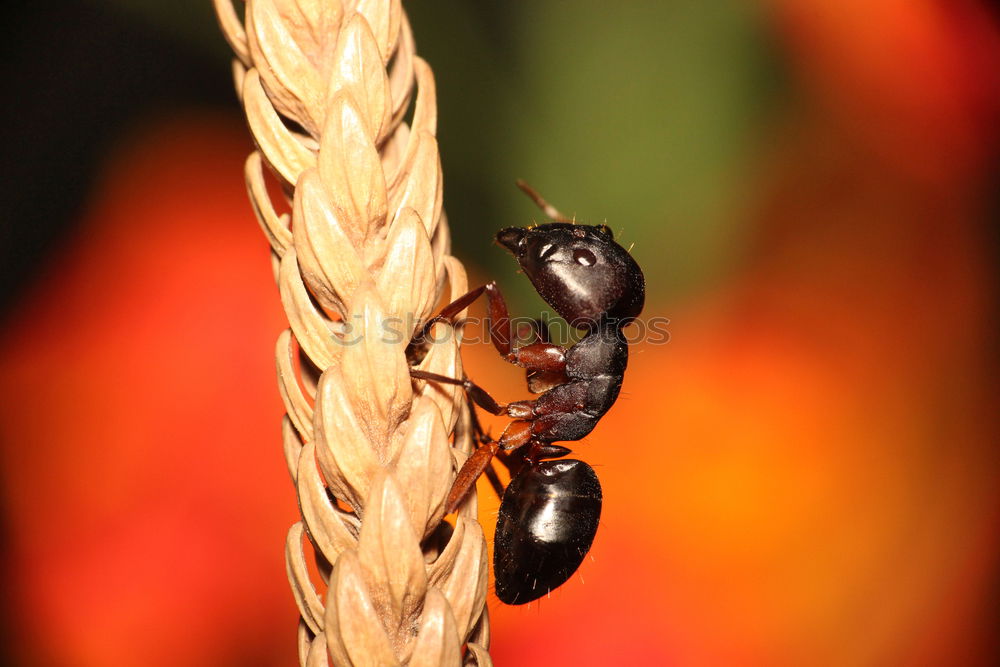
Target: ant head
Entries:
(580, 271)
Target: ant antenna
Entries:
(546, 207)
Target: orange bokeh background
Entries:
(803, 475)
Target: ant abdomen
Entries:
(548, 519)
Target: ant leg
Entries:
(482, 438)
(474, 466)
(500, 328)
(517, 434)
(540, 380)
(522, 410)
(479, 461)
(449, 312)
(546, 207)
(537, 356)
(545, 357)
(477, 428)
(473, 391)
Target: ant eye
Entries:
(584, 257)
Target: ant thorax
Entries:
(601, 352)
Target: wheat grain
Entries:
(325, 86)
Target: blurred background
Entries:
(804, 475)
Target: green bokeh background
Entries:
(644, 114)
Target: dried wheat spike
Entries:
(360, 261)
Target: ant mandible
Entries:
(550, 510)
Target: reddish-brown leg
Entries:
(472, 390)
(500, 329)
(482, 438)
(540, 381)
(540, 356)
(479, 462)
(517, 434)
(449, 312)
(470, 472)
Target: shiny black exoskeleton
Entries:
(595, 285)
(550, 511)
(547, 522)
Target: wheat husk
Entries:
(358, 236)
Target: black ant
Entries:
(550, 510)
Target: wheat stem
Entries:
(361, 259)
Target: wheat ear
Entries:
(325, 85)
